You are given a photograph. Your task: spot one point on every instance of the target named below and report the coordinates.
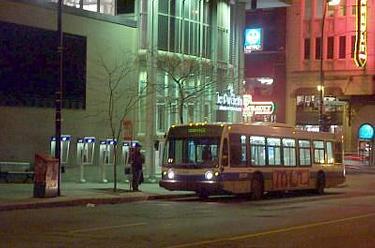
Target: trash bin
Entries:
(46, 176)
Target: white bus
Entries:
(250, 158)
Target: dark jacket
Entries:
(137, 160)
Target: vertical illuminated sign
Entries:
(360, 55)
(253, 40)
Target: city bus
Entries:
(250, 159)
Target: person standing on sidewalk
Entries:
(137, 165)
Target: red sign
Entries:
(282, 179)
(127, 126)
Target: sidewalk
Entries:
(20, 196)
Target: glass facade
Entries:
(185, 26)
(101, 6)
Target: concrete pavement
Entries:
(20, 196)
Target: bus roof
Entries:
(266, 128)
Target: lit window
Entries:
(274, 151)
(318, 152)
(289, 152)
(330, 157)
(304, 152)
(258, 150)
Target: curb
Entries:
(89, 202)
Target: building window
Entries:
(206, 112)
(274, 151)
(308, 9)
(172, 114)
(191, 112)
(289, 152)
(342, 8)
(304, 152)
(330, 10)
(318, 50)
(258, 150)
(342, 47)
(330, 47)
(142, 87)
(307, 103)
(184, 27)
(352, 46)
(319, 8)
(307, 49)
(160, 118)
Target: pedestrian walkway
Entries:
(73, 193)
(20, 196)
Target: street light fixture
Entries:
(322, 117)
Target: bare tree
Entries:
(122, 96)
(189, 77)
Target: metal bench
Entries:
(15, 170)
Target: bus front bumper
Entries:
(197, 186)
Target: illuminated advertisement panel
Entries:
(253, 40)
(360, 55)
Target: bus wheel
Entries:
(257, 189)
(320, 184)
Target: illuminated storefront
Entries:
(344, 60)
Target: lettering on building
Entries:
(360, 55)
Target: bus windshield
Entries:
(193, 152)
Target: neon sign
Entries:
(256, 108)
(366, 131)
(229, 101)
(360, 55)
(253, 40)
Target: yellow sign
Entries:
(360, 55)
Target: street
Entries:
(343, 217)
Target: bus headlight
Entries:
(171, 174)
(208, 175)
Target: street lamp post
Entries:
(322, 116)
(58, 96)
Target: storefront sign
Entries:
(366, 131)
(256, 108)
(229, 101)
(253, 40)
(360, 55)
(265, 80)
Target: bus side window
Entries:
(237, 146)
(338, 152)
(319, 152)
(224, 158)
(329, 150)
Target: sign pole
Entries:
(58, 99)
